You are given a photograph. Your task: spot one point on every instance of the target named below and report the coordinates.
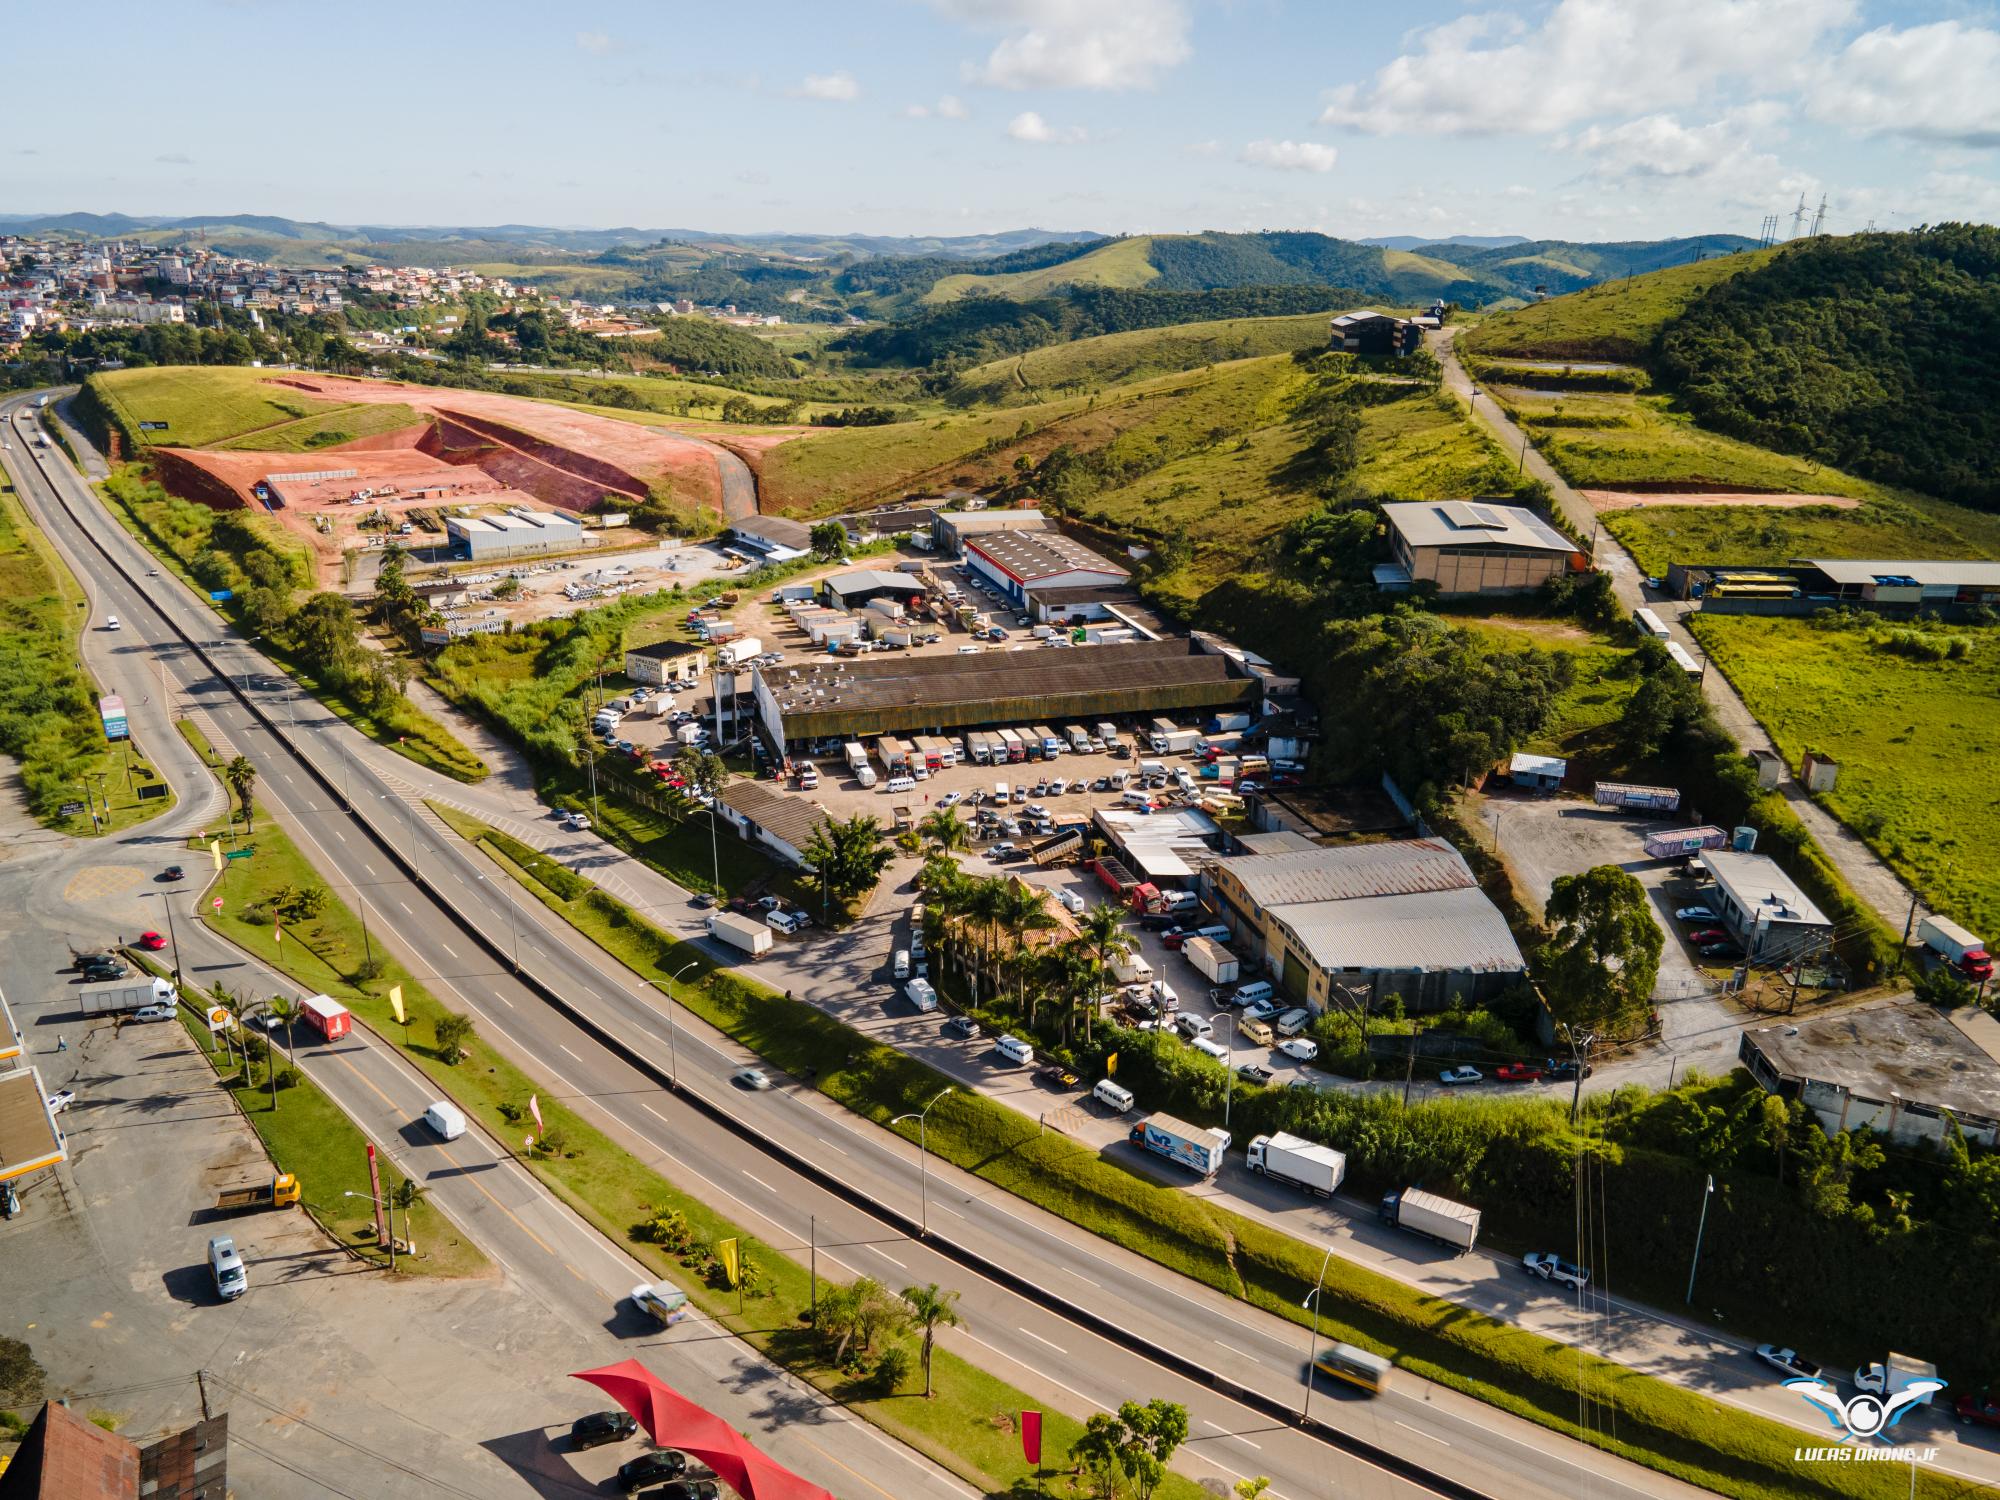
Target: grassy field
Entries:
(1659, 535)
(1581, 726)
(1913, 738)
(1614, 321)
(1649, 1420)
(1120, 263)
(49, 723)
(205, 404)
(1606, 441)
(1111, 358)
(323, 429)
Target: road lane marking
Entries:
(889, 1258)
(447, 947)
(759, 1181)
(1040, 1340)
(829, 1145)
(1089, 1401)
(400, 902)
(946, 1208)
(1234, 1350)
(339, 835)
(1083, 1278)
(1228, 1434)
(654, 1113)
(1418, 1431)
(566, 1049)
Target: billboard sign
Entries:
(152, 426)
(112, 711)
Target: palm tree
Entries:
(943, 827)
(405, 1196)
(1075, 972)
(983, 901)
(1023, 909)
(1103, 928)
(931, 1309)
(242, 779)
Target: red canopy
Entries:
(673, 1421)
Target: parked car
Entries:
(652, 1468)
(602, 1427)
(951, 799)
(1563, 1069)
(1303, 1048)
(1518, 1073)
(152, 942)
(686, 1489)
(1696, 914)
(1461, 1074)
(1258, 1032)
(1707, 935)
(1251, 1073)
(153, 1013)
(1980, 1411)
(752, 1078)
(1719, 950)
(1552, 1267)
(1788, 1362)
(961, 1026)
(1262, 1010)
(61, 1100)
(1174, 937)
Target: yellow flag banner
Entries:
(396, 1004)
(725, 1251)
(215, 852)
(1111, 1063)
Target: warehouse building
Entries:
(1164, 848)
(1404, 917)
(666, 664)
(1763, 907)
(518, 533)
(773, 820)
(769, 538)
(851, 699)
(1898, 1068)
(952, 529)
(1017, 561)
(852, 590)
(1468, 548)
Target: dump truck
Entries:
(120, 996)
(280, 1192)
(1062, 845)
(746, 933)
(1638, 798)
(1215, 962)
(1192, 1147)
(1454, 1225)
(1303, 1163)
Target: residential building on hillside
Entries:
(1764, 908)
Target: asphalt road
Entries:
(1048, 1354)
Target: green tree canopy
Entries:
(1603, 955)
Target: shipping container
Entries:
(1215, 962)
(1677, 841)
(1642, 798)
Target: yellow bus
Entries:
(1355, 1366)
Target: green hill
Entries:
(1114, 357)
(1565, 265)
(1120, 263)
(1616, 321)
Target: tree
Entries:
(1103, 928)
(1095, 1455)
(829, 539)
(857, 1316)
(405, 1196)
(242, 779)
(1151, 1434)
(452, 1031)
(943, 827)
(1251, 1489)
(931, 1309)
(1599, 965)
(849, 855)
(1665, 703)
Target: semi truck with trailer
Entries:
(1213, 961)
(1302, 1163)
(1964, 951)
(744, 933)
(1188, 1145)
(121, 996)
(1454, 1225)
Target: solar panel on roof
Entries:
(1486, 517)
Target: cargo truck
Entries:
(857, 756)
(1130, 968)
(894, 754)
(1053, 744)
(737, 652)
(1079, 740)
(1638, 798)
(1451, 1224)
(745, 933)
(1963, 950)
(1180, 742)
(1228, 723)
(1212, 960)
(327, 1016)
(1898, 1374)
(121, 996)
(1302, 1163)
(280, 1192)
(1017, 750)
(1192, 1147)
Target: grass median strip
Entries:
(1623, 1411)
(964, 1428)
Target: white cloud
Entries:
(1934, 83)
(597, 42)
(950, 107)
(1661, 146)
(1291, 156)
(833, 88)
(1493, 73)
(1202, 148)
(1077, 44)
(1031, 127)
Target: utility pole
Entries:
(1700, 1229)
(1909, 925)
(1410, 1068)
(1580, 1048)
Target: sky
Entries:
(1580, 119)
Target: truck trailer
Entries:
(1302, 1163)
(1963, 950)
(1180, 742)
(1215, 962)
(1638, 798)
(1192, 1147)
(121, 996)
(745, 933)
(737, 652)
(1450, 1224)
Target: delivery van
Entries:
(446, 1119)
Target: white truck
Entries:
(857, 755)
(1180, 742)
(746, 933)
(1191, 1146)
(1302, 1163)
(119, 996)
(1451, 1224)
(735, 653)
(1899, 1373)
(1963, 950)
(1213, 961)
(1131, 968)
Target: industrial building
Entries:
(770, 819)
(1948, 588)
(667, 664)
(857, 698)
(1164, 848)
(1465, 547)
(952, 529)
(852, 590)
(1405, 917)
(1537, 773)
(769, 538)
(1899, 1068)
(1019, 561)
(517, 533)
(1370, 332)
(1763, 907)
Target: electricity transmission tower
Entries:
(1799, 217)
(1819, 218)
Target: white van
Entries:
(902, 963)
(225, 1268)
(1015, 1050)
(899, 784)
(1292, 1022)
(922, 996)
(1191, 1026)
(1251, 993)
(446, 1119)
(1136, 799)
(1163, 994)
(1210, 1046)
(864, 776)
(1112, 1096)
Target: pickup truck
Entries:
(280, 1192)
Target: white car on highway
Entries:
(1552, 1267)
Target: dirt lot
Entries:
(1631, 499)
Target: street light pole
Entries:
(1228, 1070)
(1700, 1229)
(673, 1030)
(1312, 1351)
(923, 1160)
(167, 900)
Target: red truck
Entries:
(327, 1016)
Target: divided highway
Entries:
(1067, 1317)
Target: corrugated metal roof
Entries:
(1278, 841)
(1855, 570)
(1760, 884)
(1028, 555)
(1435, 523)
(1350, 871)
(1450, 931)
(791, 819)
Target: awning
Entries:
(673, 1421)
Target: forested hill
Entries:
(1877, 353)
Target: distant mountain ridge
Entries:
(1419, 241)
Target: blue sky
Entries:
(1588, 119)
